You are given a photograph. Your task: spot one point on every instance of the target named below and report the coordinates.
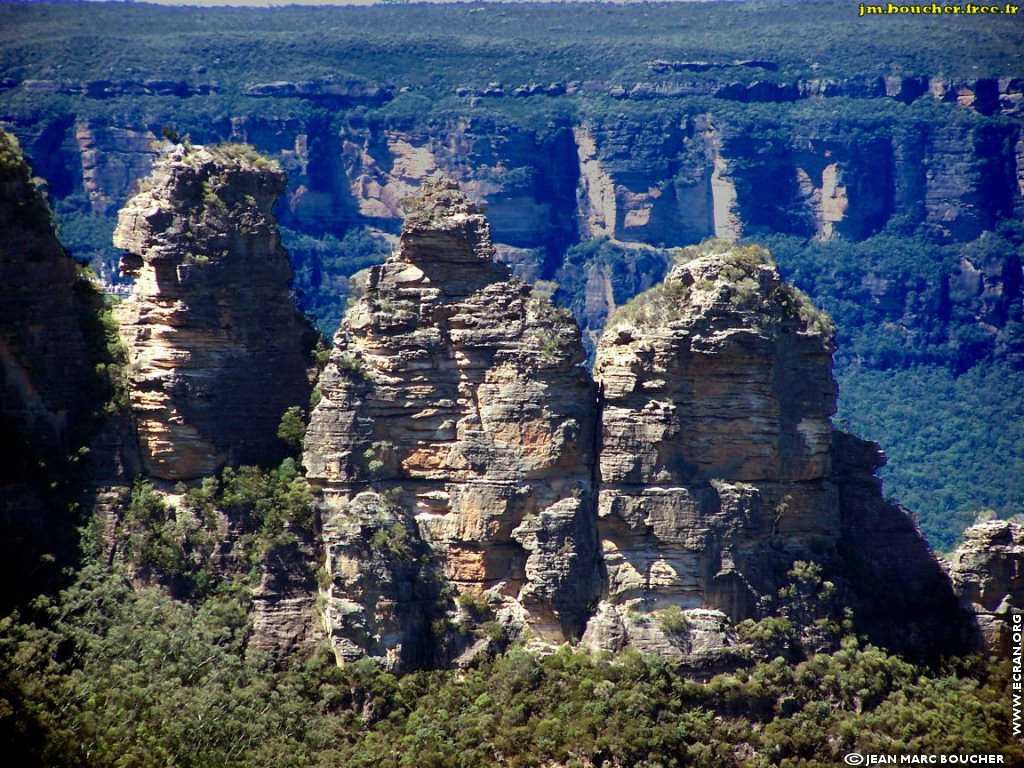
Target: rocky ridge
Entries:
(478, 484)
(216, 349)
(456, 448)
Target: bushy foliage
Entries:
(176, 542)
(106, 675)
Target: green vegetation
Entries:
(605, 41)
(920, 369)
(897, 300)
(188, 693)
(672, 619)
(954, 442)
(323, 265)
(292, 428)
(655, 308)
(175, 541)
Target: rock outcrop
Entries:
(49, 331)
(217, 350)
(988, 574)
(454, 443)
(454, 395)
(715, 471)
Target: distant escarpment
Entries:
(216, 349)
(464, 454)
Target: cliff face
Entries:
(988, 574)
(715, 471)
(455, 444)
(676, 180)
(44, 357)
(453, 394)
(886, 560)
(216, 349)
(50, 338)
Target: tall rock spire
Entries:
(216, 347)
(454, 398)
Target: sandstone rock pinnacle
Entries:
(715, 466)
(217, 349)
(454, 394)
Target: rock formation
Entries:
(988, 574)
(217, 350)
(453, 398)
(44, 302)
(48, 382)
(715, 471)
(886, 561)
(454, 442)
(719, 466)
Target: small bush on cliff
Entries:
(171, 545)
(176, 545)
(654, 308)
(272, 507)
(292, 428)
(672, 619)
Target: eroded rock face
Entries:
(44, 358)
(455, 445)
(216, 347)
(47, 383)
(384, 590)
(455, 390)
(988, 575)
(715, 469)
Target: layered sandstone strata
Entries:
(217, 350)
(715, 468)
(454, 393)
